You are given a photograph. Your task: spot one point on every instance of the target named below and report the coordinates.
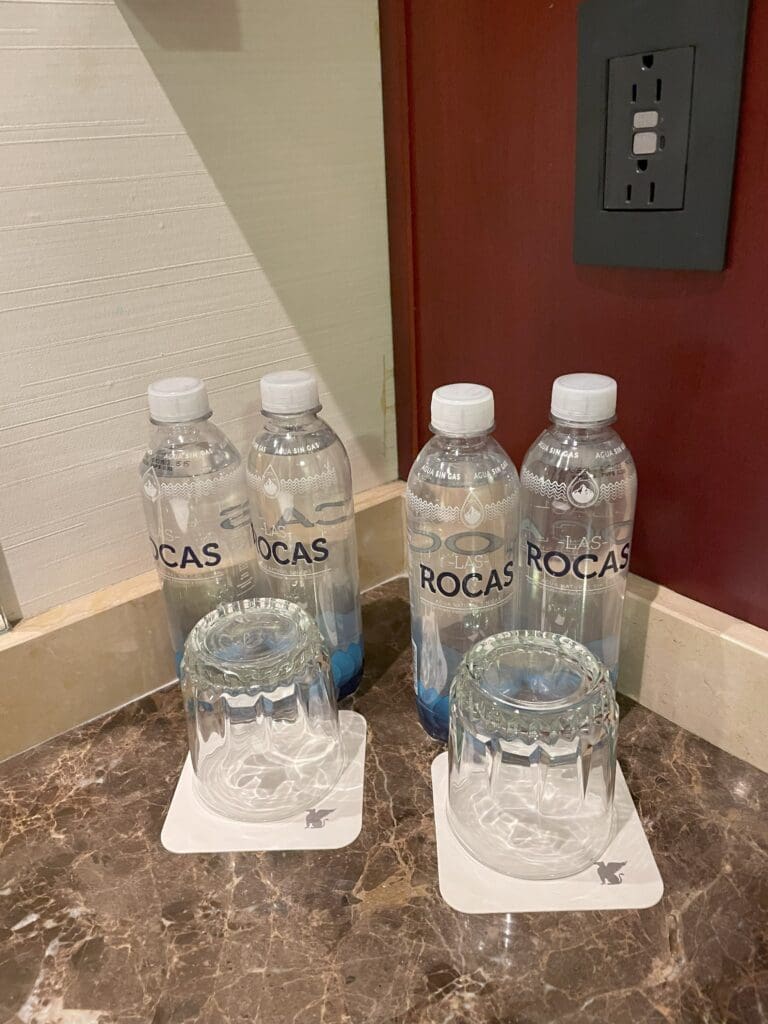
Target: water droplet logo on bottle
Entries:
(150, 484)
(583, 490)
(271, 484)
(472, 511)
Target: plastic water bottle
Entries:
(196, 507)
(300, 483)
(462, 506)
(577, 508)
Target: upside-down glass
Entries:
(532, 755)
(261, 710)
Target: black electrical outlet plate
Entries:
(686, 225)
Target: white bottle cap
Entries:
(289, 391)
(584, 398)
(178, 400)
(462, 409)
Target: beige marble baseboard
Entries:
(698, 667)
(89, 656)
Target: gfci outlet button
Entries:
(644, 143)
(645, 119)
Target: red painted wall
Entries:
(497, 298)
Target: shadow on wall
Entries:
(283, 104)
(195, 25)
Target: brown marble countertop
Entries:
(98, 924)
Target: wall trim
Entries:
(701, 668)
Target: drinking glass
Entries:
(532, 754)
(261, 710)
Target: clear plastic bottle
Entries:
(300, 483)
(577, 509)
(196, 507)
(462, 505)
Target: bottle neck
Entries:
(581, 430)
(462, 442)
(179, 424)
(292, 422)
(181, 432)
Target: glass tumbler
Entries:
(532, 754)
(261, 710)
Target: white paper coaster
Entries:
(190, 827)
(625, 877)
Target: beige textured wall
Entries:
(201, 192)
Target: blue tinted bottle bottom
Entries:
(434, 717)
(347, 668)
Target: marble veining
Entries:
(99, 925)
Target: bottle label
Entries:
(571, 455)
(572, 561)
(582, 491)
(200, 526)
(576, 539)
(295, 527)
(456, 564)
(270, 484)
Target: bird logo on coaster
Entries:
(316, 817)
(472, 511)
(271, 484)
(610, 873)
(583, 490)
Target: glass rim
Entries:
(555, 644)
(274, 664)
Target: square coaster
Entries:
(625, 877)
(191, 827)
